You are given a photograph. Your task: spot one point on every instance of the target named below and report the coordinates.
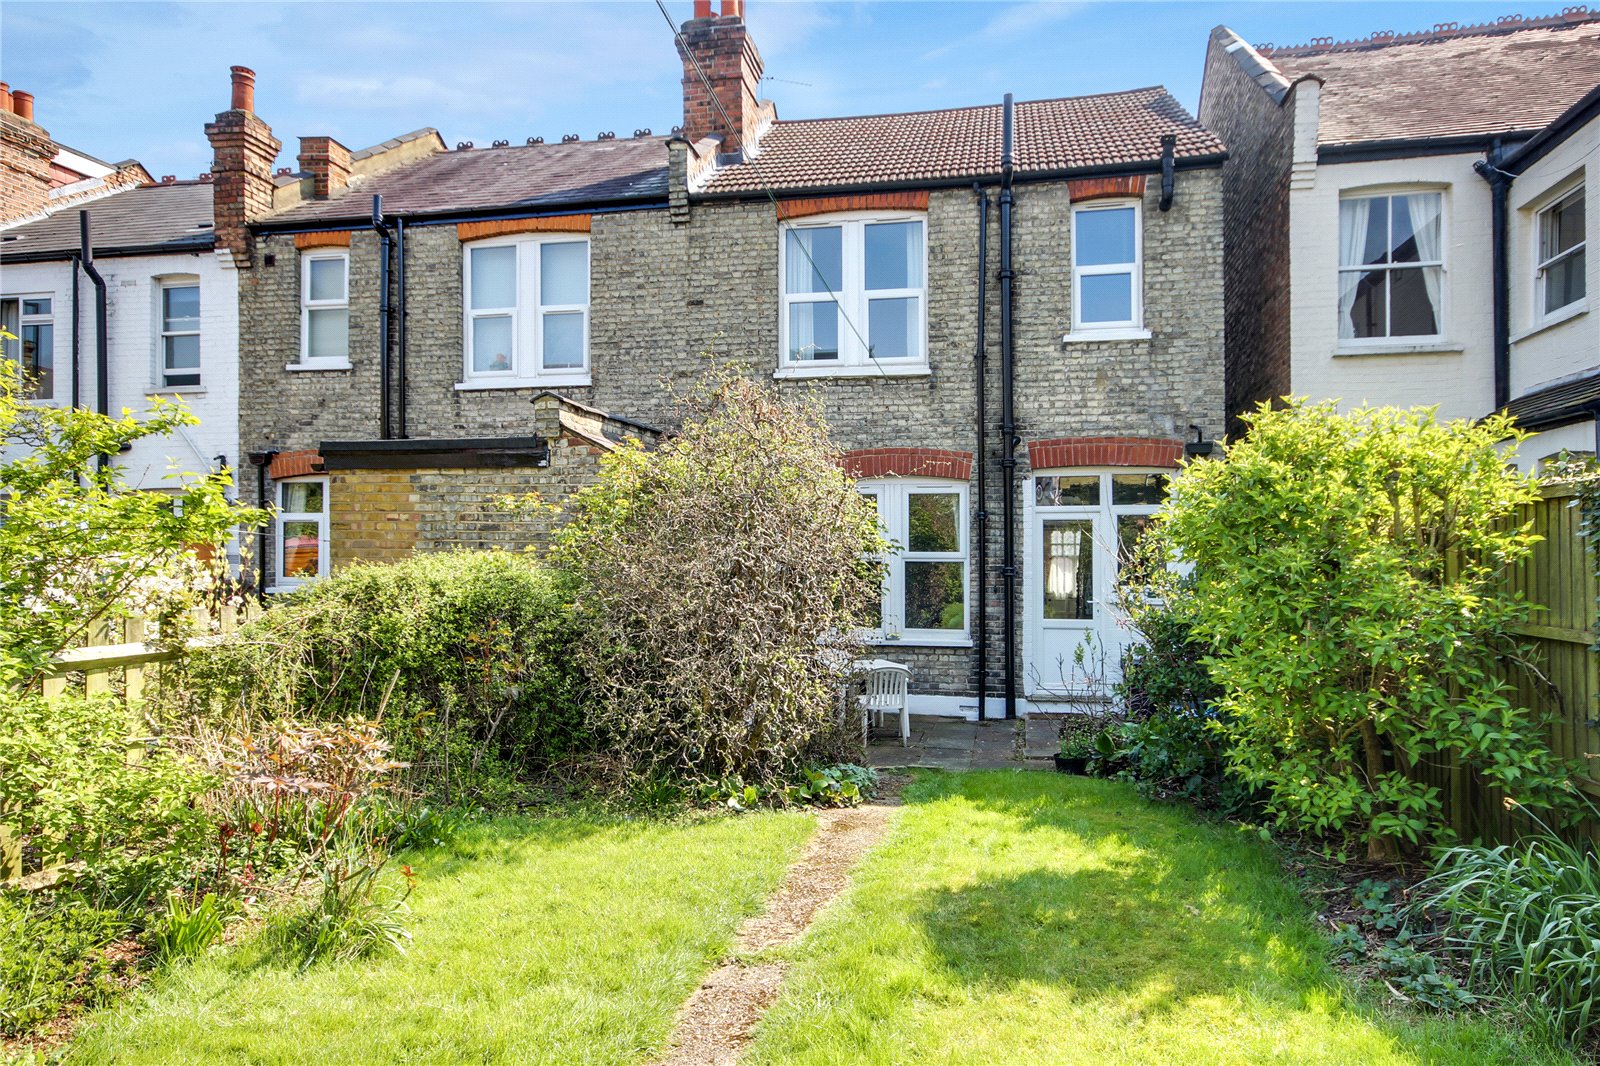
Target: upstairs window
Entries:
(325, 309)
(31, 320)
(1391, 266)
(1107, 286)
(180, 334)
(1563, 262)
(527, 313)
(854, 294)
(925, 580)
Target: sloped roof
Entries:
(1067, 134)
(523, 176)
(1497, 78)
(1568, 401)
(147, 219)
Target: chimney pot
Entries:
(244, 89)
(5, 97)
(702, 9)
(22, 104)
(733, 9)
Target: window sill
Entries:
(545, 382)
(1401, 348)
(176, 390)
(343, 364)
(1566, 314)
(877, 370)
(1090, 336)
(921, 642)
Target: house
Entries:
(1362, 234)
(152, 311)
(1012, 313)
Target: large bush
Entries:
(1347, 578)
(724, 576)
(464, 657)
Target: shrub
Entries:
(188, 927)
(1346, 579)
(355, 912)
(51, 956)
(463, 656)
(724, 575)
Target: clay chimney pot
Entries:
(5, 97)
(22, 104)
(702, 9)
(244, 89)
(733, 9)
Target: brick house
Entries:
(1368, 258)
(516, 310)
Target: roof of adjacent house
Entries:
(1510, 76)
(484, 179)
(145, 220)
(1569, 401)
(1075, 133)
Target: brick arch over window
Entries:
(1058, 452)
(295, 464)
(907, 462)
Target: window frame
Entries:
(1544, 315)
(527, 315)
(1441, 313)
(25, 320)
(1135, 268)
(162, 333)
(307, 305)
(280, 580)
(853, 299)
(896, 493)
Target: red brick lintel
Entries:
(295, 464)
(910, 200)
(1081, 189)
(1063, 452)
(907, 462)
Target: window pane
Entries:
(893, 329)
(1069, 569)
(182, 352)
(1106, 298)
(1069, 491)
(327, 279)
(36, 306)
(328, 333)
(491, 344)
(1562, 226)
(1138, 488)
(563, 273)
(494, 277)
(1130, 531)
(934, 522)
(894, 255)
(1564, 282)
(39, 359)
(301, 497)
(814, 260)
(1363, 304)
(300, 549)
(180, 307)
(1416, 229)
(1104, 236)
(1411, 302)
(1363, 230)
(814, 331)
(563, 340)
(934, 597)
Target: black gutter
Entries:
(262, 461)
(980, 373)
(77, 335)
(400, 315)
(1499, 196)
(385, 239)
(1008, 419)
(1579, 114)
(49, 255)
(451, 218)
(423, 454)
(102, 360)
(1408, 147)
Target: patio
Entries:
(957, 744)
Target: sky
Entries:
(140, 80)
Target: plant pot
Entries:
(1072, 764)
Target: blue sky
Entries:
(139, 80)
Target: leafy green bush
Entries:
(355, 912)
(465, 657)
(50, 956)
(188, 927)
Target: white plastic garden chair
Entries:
(885, 688)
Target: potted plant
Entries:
(1076, 751)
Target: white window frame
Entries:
(1134, 324)
(1389, 340)
(527, 317)
(24, 320)
(162, 333)
(854, 360)
(1547, 315)
(893, 496)
(281, 581)
(307, 305)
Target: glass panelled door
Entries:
(1081, 528)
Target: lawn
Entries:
(1023, 917)
(556, 940)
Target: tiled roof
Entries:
(1072, 133)
(173, 217)
(524, 176)
(1483, 80)
(1566, 402)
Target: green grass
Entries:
(1020, 917)
(556, 940)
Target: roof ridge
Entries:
(1442, 31)
(973, 107)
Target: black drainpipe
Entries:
(1169, 148)
(1008, 419)
(77, 334)
(1499, 194)
(384, 235)
(400, 325)
(981, 373)
(102, 362)
(262, 461)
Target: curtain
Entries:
(1425, 209)
(1354, 214)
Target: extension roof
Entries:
(146, 220)
(1507, 77)
(1072, 134)
(1554, 405)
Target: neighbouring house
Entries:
(162, 319)
(1013, 315)
(1364, 239)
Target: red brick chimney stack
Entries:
(731, 63)
(25, 154)
(243, 151)
(328, 163)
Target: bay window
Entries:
(300, 531)
(1107, 282)
(325, 310)
(925, 581)
(1391, 266)
(527, 312)
(854, 295)
(1562, 258)
(180, 334)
